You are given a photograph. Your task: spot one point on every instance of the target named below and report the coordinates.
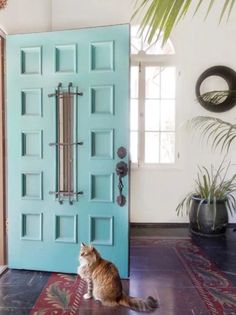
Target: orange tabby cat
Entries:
(104, 282)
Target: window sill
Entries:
(161, 167)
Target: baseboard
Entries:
(167, 225)
(158, 225)
(232, 225)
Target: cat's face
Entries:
(87, 253)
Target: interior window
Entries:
(152, 108)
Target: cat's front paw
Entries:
(87, 296)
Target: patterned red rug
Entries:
(214, 288)
(62, 294)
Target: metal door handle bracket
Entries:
(61, 94)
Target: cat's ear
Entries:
(91, 247)
(82, 245)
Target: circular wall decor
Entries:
(217, 103)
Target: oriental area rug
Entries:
(63, 294)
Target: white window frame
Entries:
(143, 60)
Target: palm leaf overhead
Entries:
(162, 15)
(220, 132)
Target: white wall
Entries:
(199, 45)
(83, 13)
(26, 16)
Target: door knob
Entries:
(121, 169)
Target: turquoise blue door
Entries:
(67, 122)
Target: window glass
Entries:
(152, 82)
(134, 115)
(134, 146)
(152, 144)
(134, 82)
(152, 108)
(168, 82)
(139, 43)
(136, 40)
(167, 115)
(167, 147)
(152, 115)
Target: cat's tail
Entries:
(137, 304)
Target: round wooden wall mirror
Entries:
(216, 89)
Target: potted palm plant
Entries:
(211, 201)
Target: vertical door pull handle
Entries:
(121, 171)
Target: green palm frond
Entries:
(210, 186)
(162, 15)
(227, 5)
(217, 97)
(220, 132)
(185, 202)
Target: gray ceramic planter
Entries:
(204, 220)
